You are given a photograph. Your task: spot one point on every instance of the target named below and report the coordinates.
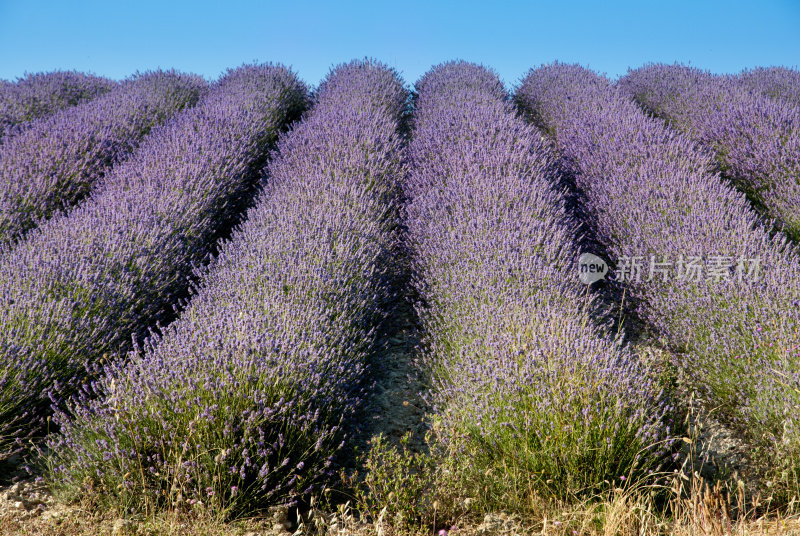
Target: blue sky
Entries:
(116, 37)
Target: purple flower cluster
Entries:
(375, 85)
(242, 401)
(653, 193)
(518, 364)
(41, 94)
(755, 138)
(55, 162)
(86, 282)
(776, 82)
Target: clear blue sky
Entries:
(117, 37)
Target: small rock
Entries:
(18, 505)
(494, 525)
(53, 516)
(123, 527)
(280, 519)
(279, 513)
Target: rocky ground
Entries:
(397, 407)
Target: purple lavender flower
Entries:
(776, 82)
(55, 161)
(273, 347)
(518, 365)
(42, 94)
(654, 193)
(82, 285)
(755, 139)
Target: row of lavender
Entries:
(775, 82)
(658, 203)
(519, 368)
(82, 285)
(42, 94)
(56, 160)
(755, 138)
(244, 400)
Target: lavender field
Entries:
(367, 306)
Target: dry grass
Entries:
(681, 503)
(696, 509)
(74, 522)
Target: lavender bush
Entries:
(755, 139)
(537, 394)
(242, 402)
(56, 160)
(776, 82)
(41, 94)
(82, 285)
(375, 85)
(655, 197)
